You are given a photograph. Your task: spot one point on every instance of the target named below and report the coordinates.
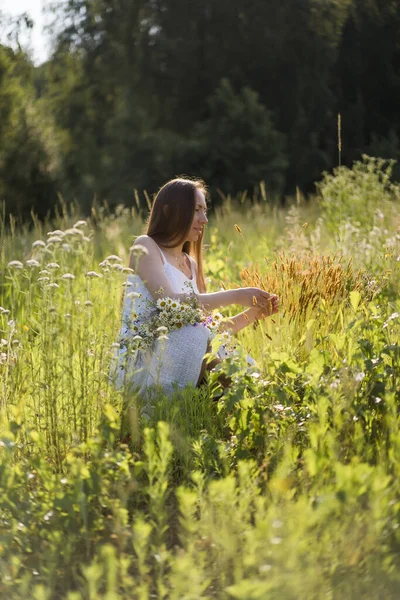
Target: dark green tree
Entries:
(239, 143)
(28, 149)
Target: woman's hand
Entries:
(270, 308)
(252, 296)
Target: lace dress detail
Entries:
(175, 362)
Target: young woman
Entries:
(168, 261)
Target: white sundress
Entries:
(172, 363)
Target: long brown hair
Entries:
(171, 217)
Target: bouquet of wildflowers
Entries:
(167, 314)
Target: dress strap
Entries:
(191, 260)
(164, 260)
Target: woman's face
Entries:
(199, 218)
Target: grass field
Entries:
(287, 487)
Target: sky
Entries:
(37, 40)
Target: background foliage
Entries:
(137, 91)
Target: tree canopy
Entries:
(138, 91)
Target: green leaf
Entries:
(355, 298)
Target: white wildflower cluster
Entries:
(9, 346)
(166, 315)
(67, 240)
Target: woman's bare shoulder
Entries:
(152, 252)
(147, 242)
(144, 240)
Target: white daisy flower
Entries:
(162, 303)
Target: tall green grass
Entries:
(284, 485)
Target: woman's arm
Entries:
(148, 265)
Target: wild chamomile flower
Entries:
(93, 274)
(54, 239)
(166, 315)
(56, 232)
(53, 265)
(15, 264)
(38, 244)
(138, 250)
(114, 258)
(74, 231)
(32, 263)
(162, 303)
(68, 276)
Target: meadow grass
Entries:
(286, 486)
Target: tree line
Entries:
(137, 91)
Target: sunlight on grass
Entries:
(284, 485)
